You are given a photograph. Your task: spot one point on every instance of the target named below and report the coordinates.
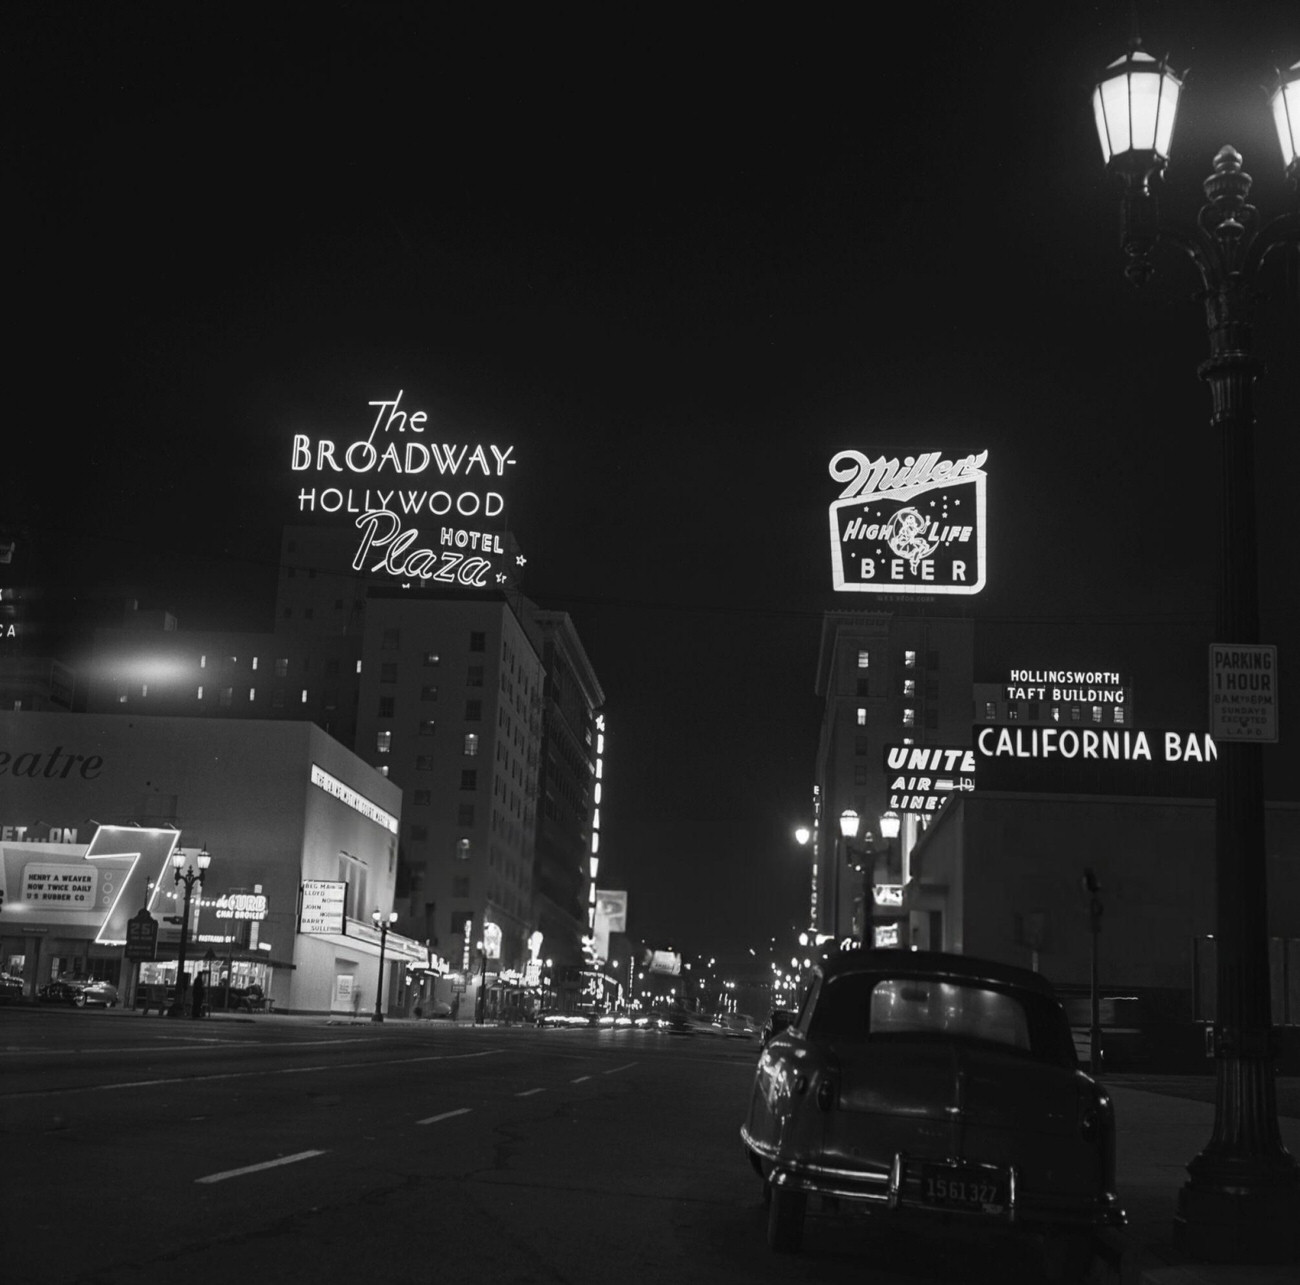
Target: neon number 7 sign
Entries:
(149, 852)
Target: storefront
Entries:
(273, 807)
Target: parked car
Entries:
(11, 987)
(80, 991)
(923, 1087)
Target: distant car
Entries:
(925, 1088)
(11, 987)
(81, 991)
(735, 1026)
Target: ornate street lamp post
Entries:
(383, 923)
(189, 879)
(1242, 1200)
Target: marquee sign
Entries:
(912, 528)
(321, 906)
(424, 510)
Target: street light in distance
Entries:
(189, 878)
(383, 923)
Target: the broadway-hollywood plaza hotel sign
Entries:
(425, 510)
(910, 526)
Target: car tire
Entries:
(785, 1215)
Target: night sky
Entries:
(677, 258)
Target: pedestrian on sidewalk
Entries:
(200, 990)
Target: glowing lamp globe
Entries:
(890, 824)
(1135, 104)
(1286, 116)
(849, 823)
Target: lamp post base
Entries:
(1259, 1226)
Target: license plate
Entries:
(976, 1190)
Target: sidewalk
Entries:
(1157, 1134)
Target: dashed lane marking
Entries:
(267, 1164)
(446, 1115)
(528, 1093)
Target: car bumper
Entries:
(897, 1189)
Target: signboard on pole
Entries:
(1243, 692)
(141, 936)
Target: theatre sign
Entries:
(915, 526)
(425, 511)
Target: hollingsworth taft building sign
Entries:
(395, 476)
(915, 527)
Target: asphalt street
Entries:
(141, 1150)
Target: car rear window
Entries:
(862, 1005)
(907, 1007)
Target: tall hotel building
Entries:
(883, 679)
(480, 706)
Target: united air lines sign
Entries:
(914, 526)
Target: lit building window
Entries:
(382, 769)
(427, 726)
(1056, 713)
(462, 850)
(864, 660)
(990, 710)
(358, 667)
(200, 691)
(1119, 713)
(471, 744)
(431, 658)
(1013, 713)
(1096, 713)
(384, 742)
(909, 686)
(1074, 714)
(304, 696)
(909, 659)
(252, 693)
(862, 716)
(254, 662)
(226, 695)
(909, 740)
(282, 666)
(203, 662)
(909, 718)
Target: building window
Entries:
(382, 769)
(392, 640)
(909, 686)
(1075, 716)
(1096, 713)
(471, 744)
(861, 745)
(331, 667)
(465, 814)
(203, 662)
(431, 658)
(862, 716)
(426, 726)
(282, 666)
(429, 693)
(254, 662)
(909, 718)
(419, 833)
(388, 671)
(252, 693)
(478, 641)
(864, 687)
(474, 678)
(909, 659)
(424, 762)
(225, 696)
(384, 742)
(1056, 713)
(1013, 713)
(864, 660)
(277, 698)
(990, 710)
(469, 779)
(473, 711)
(200, 693)
(859, 774)
(462, 850)
(385, 707)
(909, 740)
(304, 696)
(1119, 713)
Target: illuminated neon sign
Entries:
(915, 527)
(384, 479)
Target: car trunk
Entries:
(944, 1099)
